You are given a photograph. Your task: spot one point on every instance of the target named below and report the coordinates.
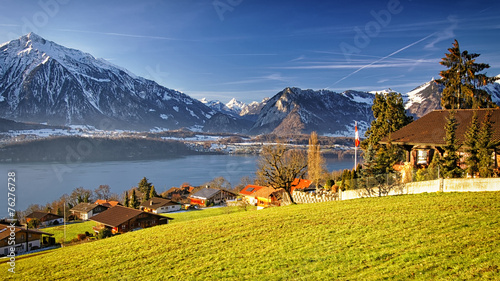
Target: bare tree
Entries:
(103, 192)
(219, 182)
(244, 181)
(315, 162)
(279, 166)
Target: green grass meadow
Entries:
(440, 236)
(72, 230)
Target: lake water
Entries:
(40, 183)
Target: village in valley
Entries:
(421, 201)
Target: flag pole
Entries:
(356, 143)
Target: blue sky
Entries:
(220, 49)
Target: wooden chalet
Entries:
(426, 136)
(123, 219)
(208, 196)
(159, 205)
(45, 219)
(85, 211)
(262, 196)
(25, 241)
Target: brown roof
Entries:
(157, 202)
(40, 215)
(266, 192)
(429, 130)
(119, 214)
(5, 231)
(84, 207)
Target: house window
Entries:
(123, 226)
(421, 156)
(22, 236)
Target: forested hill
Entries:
(82, 149)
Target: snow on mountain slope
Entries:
(494, 90)
(294, 111)
(41, 81)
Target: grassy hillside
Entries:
(427, 237)
(72, 230)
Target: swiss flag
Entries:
(356, 135)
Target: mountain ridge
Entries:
(43, 82)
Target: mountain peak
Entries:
(33, 36)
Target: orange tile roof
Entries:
(106, 203)
(300, 184)
(250, 190)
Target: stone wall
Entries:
(465, 185)
(301, 197)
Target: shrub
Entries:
(81, 237)
(104, 233)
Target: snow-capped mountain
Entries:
(235, 106)
(294, 111)
(423, 99)
(427, 97)
(494, 90)
(41, 81)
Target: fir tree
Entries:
(152, 192)
(450, 160)
(484, 144)
(472, 149)
(126, 200)
(433, 170)
(145, 196)
(133, 201)
(462, 81)
(390, 116)
(144, 186)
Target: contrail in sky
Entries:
(381, 59)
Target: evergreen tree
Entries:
(390, 116)
(433, 170)
(144, 186)
(450, 160)
(126, 200)
(484, 145)
(472, 149)
(462, 81)
(133, 201)
(152, 192)
(145, 196)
